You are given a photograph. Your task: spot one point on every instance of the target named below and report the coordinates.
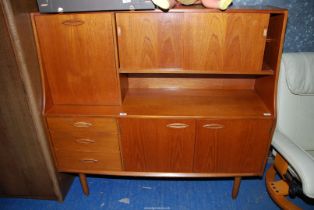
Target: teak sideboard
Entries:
(187, 93)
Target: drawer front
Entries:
(86, 141)
(75, 124)
(88, 161)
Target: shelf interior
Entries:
(177, 103)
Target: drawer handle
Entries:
(82, 124)
(73, 22)
(85, 141)
(89, 160)
(213, 126)
(177, 125)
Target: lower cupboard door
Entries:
(157, 145)
(231, 146)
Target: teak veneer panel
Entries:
(77, 53)
(224, 42)
(231, 146)
(149, 40)
(196, 42)
(151, 145)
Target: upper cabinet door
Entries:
(157, 145)
(150, 40)
(78, 58)
(231, 146)
(202, 42)
(229, 42)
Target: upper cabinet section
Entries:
(192, 42)
(78, 58)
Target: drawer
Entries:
(75, 124)
(88, 161)
(86, 141)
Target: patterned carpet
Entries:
(155, 194)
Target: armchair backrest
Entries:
(295, 102)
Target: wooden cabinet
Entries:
(192, 90)
(231, 146)
(156, 145)
(205, 42)
(78, 57)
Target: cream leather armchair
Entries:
(293, 139)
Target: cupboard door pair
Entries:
(228, 42)
(77, 53)
(201, 146)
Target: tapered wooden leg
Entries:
(84, 184)
(236, 186)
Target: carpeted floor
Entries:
(154, 194)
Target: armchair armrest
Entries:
(298, 159)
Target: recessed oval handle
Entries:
(73, 22)
(82, 124)
(177, 125)
(89, 160)
(85, 141)
(213, 126)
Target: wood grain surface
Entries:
(79, 59)
(151, 145)
(223, 42)
(193, 103)
(82, 124)
(25, 162)
(88, 161)
(149, 41)
(85, 141)
(190, 81)
(174, 42)
(238, 146)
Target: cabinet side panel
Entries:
(266, 87)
